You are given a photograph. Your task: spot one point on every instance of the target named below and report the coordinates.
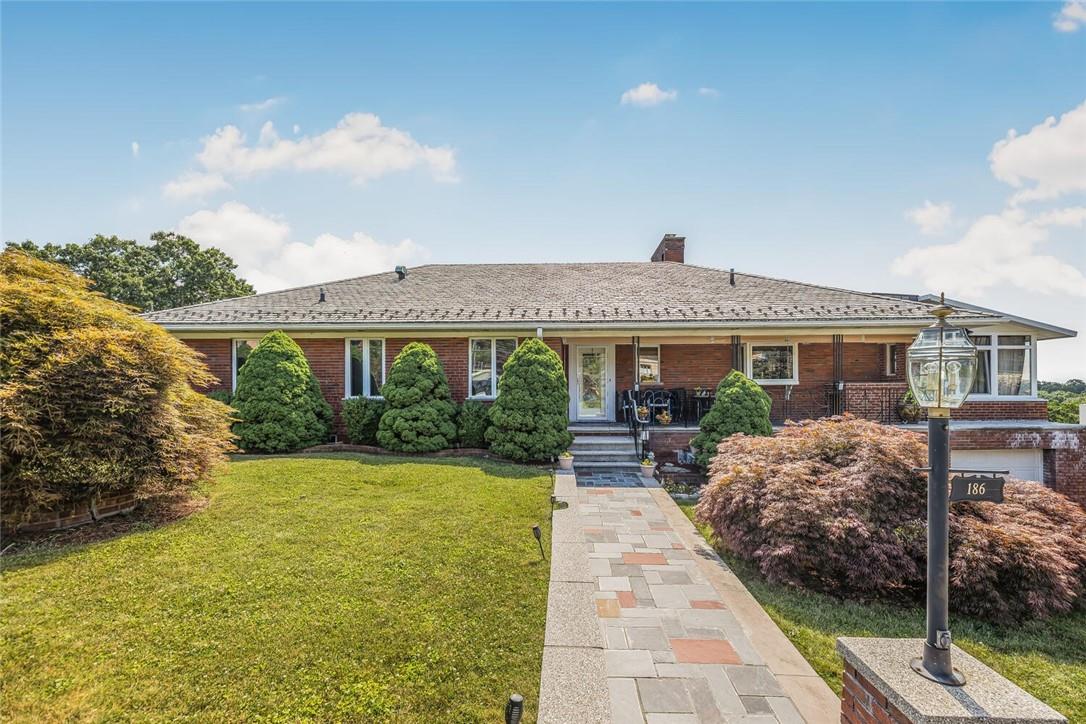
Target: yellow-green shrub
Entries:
(94, 399)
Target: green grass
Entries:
(338, 587)
(1046, 658)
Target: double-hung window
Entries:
(648, 364)
(1004, 365)
(365, 367)
(241, 350)
(773, 364)
(891, 360)
(486, 358)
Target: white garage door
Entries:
(1023, 464)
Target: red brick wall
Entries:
(453, 353)
(863, 703)
(327, 359)
(217, 357)
(1064, 453)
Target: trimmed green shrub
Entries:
(223, 396)
(420, 416)
(361, 416)
(473, 421)
(530, 417)
(93, 399)
(837, 506)
(278, 400)
(740, 406)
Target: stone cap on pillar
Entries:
(881, 667)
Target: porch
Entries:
(675, 379)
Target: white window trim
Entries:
(748, 362)
(891, 359)
(234, 361)
(365, 366)
(659, 364)
(993, 368)
(493, 364)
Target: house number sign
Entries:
(976, 487)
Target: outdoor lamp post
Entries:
(941, 365)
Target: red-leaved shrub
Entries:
(835, 506)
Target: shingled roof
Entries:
(600, 294)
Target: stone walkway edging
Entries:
(584, 677)
(809, 692)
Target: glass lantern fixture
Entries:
(942, 363)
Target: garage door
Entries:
(1023, 464)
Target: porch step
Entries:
(625, 466)
(605, 456)
(588, 444)
(597, 428)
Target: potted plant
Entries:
(642, 414)
(648, 467)
(565, 460)
(908, 409)
(664, 418)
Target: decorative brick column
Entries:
(881, 688)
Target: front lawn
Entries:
(338, 587)
(1046, 658)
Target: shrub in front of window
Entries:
(421, 416)
(837, 506)
(278, 400)
(741, 405)
(473, 422)
(530, 416)
(361, 417)
(222, 396)
(95, 400)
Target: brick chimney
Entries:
(672, 248)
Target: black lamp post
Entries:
(942, 362)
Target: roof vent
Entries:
(322, 296)
(731, 276)
(401, 272)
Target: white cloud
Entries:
(135, 149)
(269, 260)
(1003, 251)
(1071, 17)
(194, 184)
(1048, 161)
(297, 129)
(999, 249)
(932, 219)
(648, 94)
(264, 105)
(708, 92)
(359, 146)
(246, 235)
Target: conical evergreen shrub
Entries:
(740, 406)
(530, 417)
(421, 416)
(278, 400)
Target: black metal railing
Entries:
(685, 407)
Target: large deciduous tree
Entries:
(93, 399)
(171, 271)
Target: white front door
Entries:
(593, 383)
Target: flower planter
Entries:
(647, 470)
(565, 463)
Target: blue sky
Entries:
(859, 145)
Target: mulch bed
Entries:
(146, 516)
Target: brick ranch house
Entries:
(671, 329)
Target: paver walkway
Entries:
(646, 624)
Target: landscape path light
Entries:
(941, 365)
